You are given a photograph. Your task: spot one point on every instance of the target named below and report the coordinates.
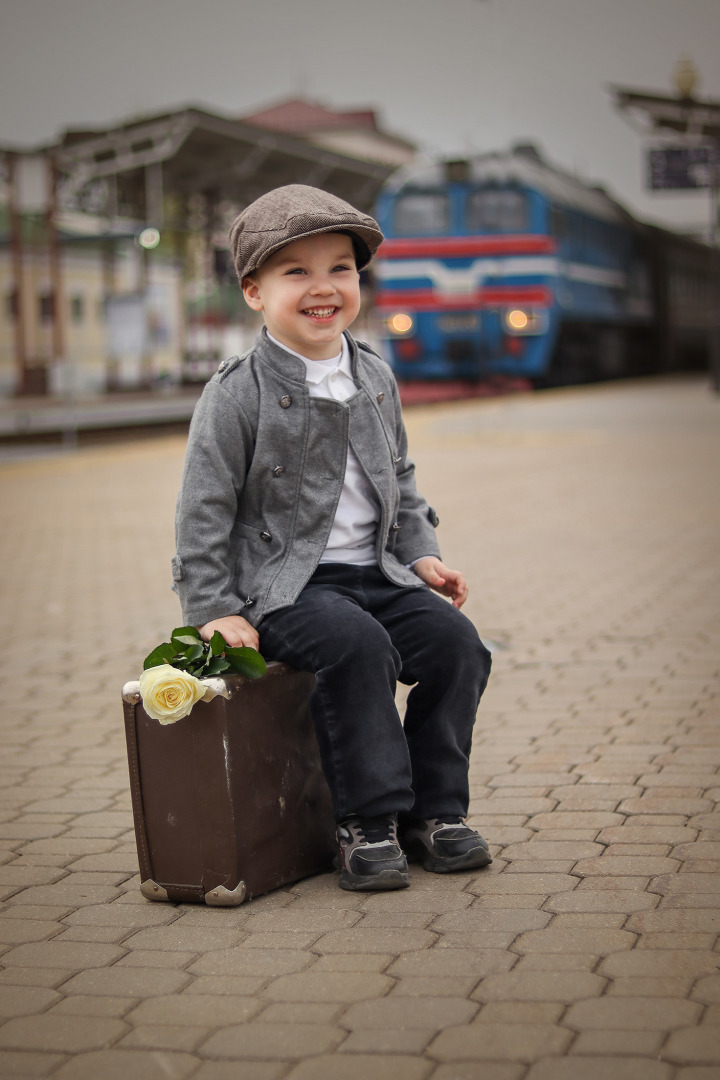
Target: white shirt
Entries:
(352, 536)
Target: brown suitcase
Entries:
(230, 801)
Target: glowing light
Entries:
(517, 319)
(149, 238)
(401, 324)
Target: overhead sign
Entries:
(684, 168)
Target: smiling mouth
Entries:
(320, 312)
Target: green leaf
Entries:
(246, 661)
(163, 654)
(215, 666)
(218, 644)
(194, 652)
(185, 635)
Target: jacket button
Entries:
(222, 365)
(396, 526)
(250, 601)
(380, 398)
(285, 401)
(265, 536)
(397, 460)
(278, 470)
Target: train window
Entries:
(558, 223)
(422, 213)
(496, 210)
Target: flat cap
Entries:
(295, 212)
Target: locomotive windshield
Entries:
(422, 213)
(496, 210)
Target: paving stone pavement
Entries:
(587, 521)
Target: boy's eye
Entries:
(341, 266)
(296, 270)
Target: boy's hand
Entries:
(236, 631)
(442, 579)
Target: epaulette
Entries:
(226, 366)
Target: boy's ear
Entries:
(251, 292)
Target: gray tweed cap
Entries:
(295, 212)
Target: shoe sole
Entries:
(382, 882)
(474, 859)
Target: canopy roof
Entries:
(191, 151)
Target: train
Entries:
(504, 266)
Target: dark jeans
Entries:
(359, 633)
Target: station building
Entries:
(114, 273)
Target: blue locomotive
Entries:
(502, 265)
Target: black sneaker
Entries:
(370, 855)
(445, 844)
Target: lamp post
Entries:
(692, 162)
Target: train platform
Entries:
(587, 522)
(31, 421)
(28, 420)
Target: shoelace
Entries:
(376, 829)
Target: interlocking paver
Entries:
(466, 1070)
(329, 986)
(639, 1014)
(509, 1042)
(521, 986)
(588, 948)
(645, 1044)
(257, 1040)
(69, 1034)
(26, 1063)
(359, 1066)
(119, 1064)
(21, 1001)
(602, 1068)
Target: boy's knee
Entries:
(465, 651)
(366, 645)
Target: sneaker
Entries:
(370, 856)
(445, 844)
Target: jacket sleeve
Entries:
(218, 455)
(417, 521)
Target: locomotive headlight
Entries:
(400, 323)
(517, 320)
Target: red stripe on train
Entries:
(429, 300)
(467, 245)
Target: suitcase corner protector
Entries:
(222, 897)
(152, 891)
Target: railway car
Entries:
(502, 265)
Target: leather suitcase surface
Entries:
(230, 801)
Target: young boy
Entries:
(300, 532)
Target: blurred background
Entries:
(546, 172)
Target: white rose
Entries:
(168, 693)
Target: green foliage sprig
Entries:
(187, 651)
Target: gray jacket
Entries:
(263, 475)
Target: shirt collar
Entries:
(317, 370)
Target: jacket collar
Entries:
(291, 367)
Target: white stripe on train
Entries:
(454, 281)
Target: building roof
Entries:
(201, 151)
(297, 116)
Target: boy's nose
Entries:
(322, 286)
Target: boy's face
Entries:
(308, 292)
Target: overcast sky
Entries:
(451, 75)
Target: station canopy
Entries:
(130, 170)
